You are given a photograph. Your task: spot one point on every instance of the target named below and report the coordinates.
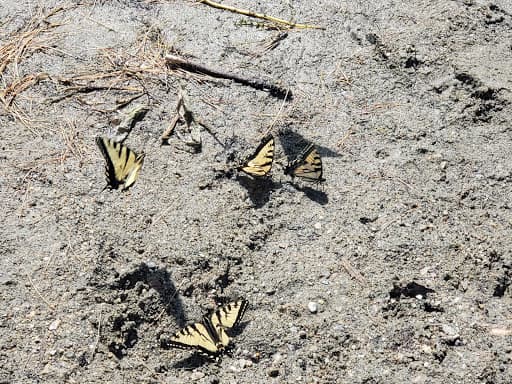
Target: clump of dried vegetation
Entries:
(38, 35)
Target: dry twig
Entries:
(178, 62)
(177, 117)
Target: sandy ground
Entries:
(405, 249)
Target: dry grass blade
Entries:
(345, 137)
(71, 91)
(121, 70)
(35, 36)
(74, 143)
(355, 274)
(50, 305)
(8, 94)
(258, 15)
(270, 44)
(378, 107)
(276, 118)
(26, 41)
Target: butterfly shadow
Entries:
(234, 332)
(293, 143)
(258, 189)
(314, 194)
(193, 361)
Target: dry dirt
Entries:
(405, 249)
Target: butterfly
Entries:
(308, 165)
(123, 164)
(260, 163)
(209, 336)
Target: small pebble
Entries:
(196, 375)
(420, 379)
(54, 325)
(449, 330)
(318, 225)
(277, 357)
(31, 315)
(313, 307)
(244, 363)
(426, 349)
(232, 368)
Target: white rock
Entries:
(196, 375)
(244, 363)
(313, 307)
(277, 357)
(54, 325)
(449, 330)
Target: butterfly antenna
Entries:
(282, 161)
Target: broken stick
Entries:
(274, 90)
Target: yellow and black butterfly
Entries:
(260, 163)
(123, 164)
(209, 336)
(307, 165)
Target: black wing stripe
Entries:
(213, 334)
(110, 172)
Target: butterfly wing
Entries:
(210, 337)
(229, 315)
(260, 163)
(199, 336)
(123, 164)
(308, 166)
(132, 168)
